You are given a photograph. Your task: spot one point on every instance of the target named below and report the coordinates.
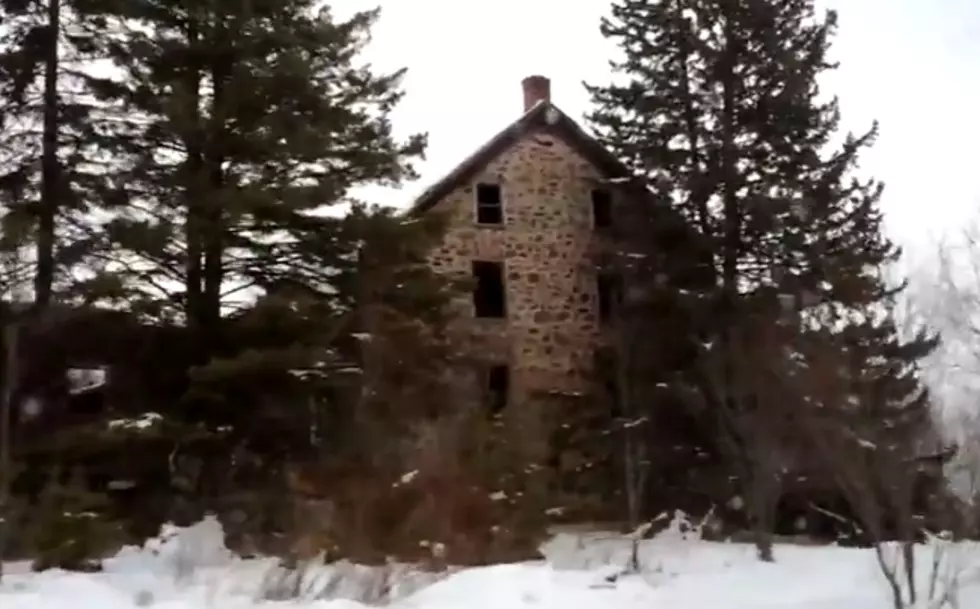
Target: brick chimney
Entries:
(536, 88)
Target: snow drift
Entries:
(191, 569)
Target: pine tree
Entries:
(70, 528)
(221, 193)
(49, 168)
(716, 107)
(244, 128)
(50, 136)
(872, 416)
(219, 185)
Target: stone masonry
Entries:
(551, 330)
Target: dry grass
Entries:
(452, 502)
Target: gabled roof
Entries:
(668, 226)
(543, 117)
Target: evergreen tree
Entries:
(871, 418)
(243, 127)
(69, 529)
(222, 191)
(49, 170)
(50, 136)
(716, 107)
(247, 121)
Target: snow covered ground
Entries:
(189, 569)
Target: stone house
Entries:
(529, 216)
(534, 216)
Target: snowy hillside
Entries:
(189, 569)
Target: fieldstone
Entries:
(547, 246)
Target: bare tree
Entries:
(946, 292)
(746, 381)
(629, 425)
(879, 485)
(867, 431)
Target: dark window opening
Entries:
(489, 204)
(489, 298)
(611, 389)
(89, 403)
(608, 289)
(601, 208)
(607, 376)
(498, 387)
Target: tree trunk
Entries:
(635, 464)
(10, 331)
(50, 165)
(762, 504)
(760, 485)
(214, 159)
(702, 191)
(193, 197)
(908, 560)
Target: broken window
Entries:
(489, 298)
(608, 288)
(489, 204)
(601, 208)
(498, 387)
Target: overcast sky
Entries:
(910, 64)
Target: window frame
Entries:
(478, 205)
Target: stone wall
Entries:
(551, 330)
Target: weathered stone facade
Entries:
(546, 243)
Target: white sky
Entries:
(910, 64)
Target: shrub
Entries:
(68, 528)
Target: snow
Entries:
(191, 569)
(81, 380)
(142, 422)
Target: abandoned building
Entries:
(530, 215)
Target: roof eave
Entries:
(536, 116)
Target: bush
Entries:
(68, 528)
(457, 491)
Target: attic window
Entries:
(489, 204)
(489, 295)
(601, 208)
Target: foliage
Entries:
(236, 132)
(51, 164)
(69, 528)
(716, 108)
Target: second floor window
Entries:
(489, 295)
(489, 204)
